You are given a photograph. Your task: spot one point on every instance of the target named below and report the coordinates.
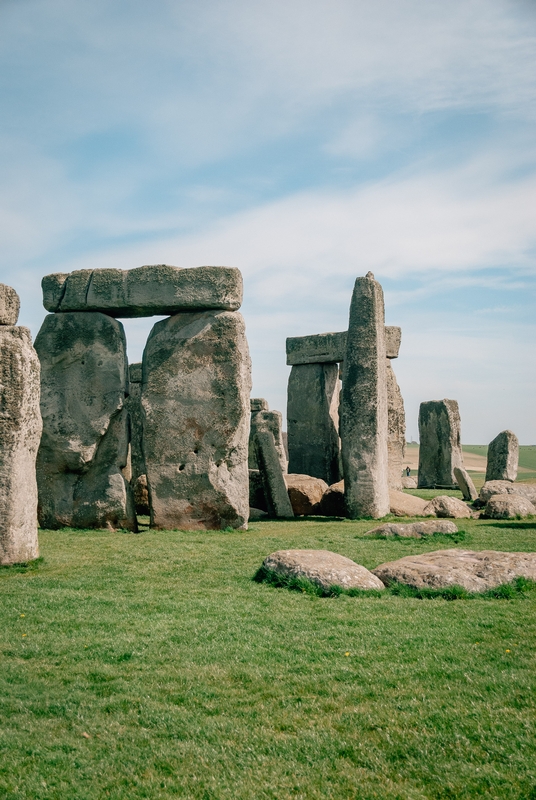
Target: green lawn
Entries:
(152, 666)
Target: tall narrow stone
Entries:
(84, 446)
(273, 421)
(273, 480)
(313, 421)
(396, 442)
(195, 400)
(440, 448)
(503, 457)
(135, 415)
(20, 432)
(364, 417)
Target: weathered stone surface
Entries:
(503, 456)
(330, 348)
(256, 490)
(333, 503)
(195, 398)
(508, 506)
(305, 493)
(415, 530)
(440, 444)
(445, 506)
(258, 404)
(84, 446)
(467, 487)
(474, 571)
(272, 421)
(135, 419)
(406, 505)
(273, 478)
(9, 305)
(409, 482)
(256, 514)
(313, 421)
(491, 488)
(144, 291)
(322, 567)
(20, 432)
(396, 425)
(141, 495)
(364, 404)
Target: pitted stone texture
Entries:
(258, 404)
(445, 506)
(322, 567)
(333, 503)
(313, 421)
(20, 433)
(135, 417)
(396, 422)
(406, 505)
(9, 305)
(467, 487)
(305, 493)
(272, 421)
(84, 446)
(440, 444)
(364, 405)
(195, 398)
(272, 475)
(415, 530)
(503, 456)
(144, 291)
(473, 571)
(330, 348)
(408, 482)
(508, 506)
(141, 495)
(491, 488)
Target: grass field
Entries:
(152, 666)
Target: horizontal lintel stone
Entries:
(144, 291)
(330, 348)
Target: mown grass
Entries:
(153, 666)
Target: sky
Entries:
(305, 143)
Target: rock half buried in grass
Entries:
(445, 506)
(473, 571)
(407, 505)
(508, 506)
(322, 567)
(415, 530)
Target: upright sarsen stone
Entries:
(503, 457)
(85, 424)
(195, 399)
(440, 448)
(396, 417)
(135, 417)
(364, 405)
(272, 421)
(313, 421)
(20, 432)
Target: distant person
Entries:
(408, 471)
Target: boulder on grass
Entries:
(333, 503)
(408, 482)
(322, 567)
(508, 506)
(473, 571)
(445, 506)
(415, 530)
(407, 505)
(305, 493)
(490, 488)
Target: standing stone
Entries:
(135, 417)
(195, 399)
(20, 432)
(503, 456)
(313, 421)
(84, 446)
(396, 423)
(364, 405)
(467, 487)
(440, 448)
(260, 415)
(275, 487)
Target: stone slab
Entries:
(322, 567)
(272, 475)
(464, 480)
(415, 530)
(503, 456)
(305, 493)
(330, 348)
(440, 448)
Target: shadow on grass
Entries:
(457, 537)
(528, 526)
(508, 591)
(26, 566)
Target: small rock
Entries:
(305, 492)
(445, 506)
(415, 530)
(467, 487)
(322, 567)
(407, 505)
(409, 483)
(508, 506)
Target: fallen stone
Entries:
(322, 567)
(141, 495)
(273, 477)
(445, 506)
(396, 424)
(144, 291)
(508, 506)
(491, 488)
(9, 305)
(467, 487)
(256, 514)
(20, 433)
(305, 493)
(408, 482)
(440, 444)
(195, 397)
(333, 503)
(503, 456)
(473, 571)
(330, 348)
(415, 530)
(364, 405)
(406, 505)
(84, 447)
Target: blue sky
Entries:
(305, 143)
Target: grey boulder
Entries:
(491, 488)
(445, 506)
(415, 530)
(322, 567)
(508, 506)
(407, 505)
(503, 456)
